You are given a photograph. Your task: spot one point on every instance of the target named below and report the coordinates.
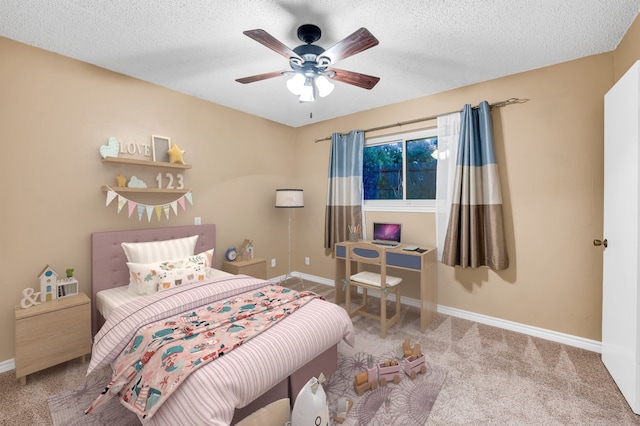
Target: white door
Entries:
(620, 339)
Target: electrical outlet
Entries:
(306, 260)
(273, 263)
(198, 220)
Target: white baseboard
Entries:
(307, 277)
(315, 279)
(554, 336)
(7, 365)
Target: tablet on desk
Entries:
(410, 248)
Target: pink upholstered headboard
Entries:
(109, 263)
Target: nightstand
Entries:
(255, 267)
(51, 333)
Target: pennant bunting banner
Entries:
(132, 207)
(121, 202)
(149, 208)
(110, 196)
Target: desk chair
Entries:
(367, 253)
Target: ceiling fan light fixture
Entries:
(310, 63)
(325, 86)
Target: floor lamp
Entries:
(289, 199)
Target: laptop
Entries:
(387, 234)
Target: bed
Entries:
(273, 365)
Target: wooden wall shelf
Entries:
(124, 189)
(133, 161)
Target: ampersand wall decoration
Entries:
(30, 298)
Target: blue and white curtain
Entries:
(344, 188)
(469, 199)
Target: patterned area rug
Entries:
(411, 400)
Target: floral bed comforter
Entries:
(212, 393)
(163, 354)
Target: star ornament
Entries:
(121, 180)
(175, 154)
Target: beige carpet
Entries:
(494, 377)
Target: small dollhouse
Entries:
(51, 287)
(48, 279)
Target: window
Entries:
(399, 172)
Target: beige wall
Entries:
(550, 154)
(57, 112)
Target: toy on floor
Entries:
(381, 373)
(344, 405)
(414, 361)
(389, 371)
(367, 380)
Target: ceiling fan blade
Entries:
(360, 40)
(266, 39)
(260, 77)
(355, 78)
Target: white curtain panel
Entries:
(448, 137)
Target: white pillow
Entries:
(156, 251)
(148, 278)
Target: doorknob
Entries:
(600, 243)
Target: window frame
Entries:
(414, 206)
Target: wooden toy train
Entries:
(414, 361)
(389, 370)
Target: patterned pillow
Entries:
(140, 279)
(148, 278)
(169, 278)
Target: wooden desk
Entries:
(422, 263)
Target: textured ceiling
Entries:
(197, 46)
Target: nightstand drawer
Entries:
(51, 333)
(255, 267)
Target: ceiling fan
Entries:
(311, 65)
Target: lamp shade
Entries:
(325, 86)
(289, 198)
(295, 84)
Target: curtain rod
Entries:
(432, 117)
